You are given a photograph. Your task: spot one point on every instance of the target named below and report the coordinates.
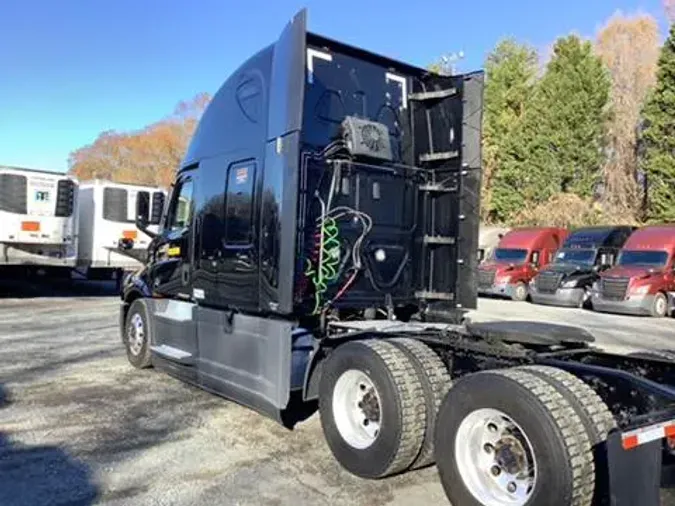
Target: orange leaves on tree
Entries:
(149, 156)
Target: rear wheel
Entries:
(659, 305)
(507, 437)
(371, 404)
(520, 292)
(593, 411)
(435, 381)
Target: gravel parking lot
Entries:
(79, 426)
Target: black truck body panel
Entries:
(262, 131)
(228, 290)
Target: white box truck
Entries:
(110, 242)
(38, 221)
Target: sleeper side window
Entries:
(181, 206)
(239, 204)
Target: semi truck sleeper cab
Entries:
(318, 251)
(577, 265)
(643, 276)
(518, 257)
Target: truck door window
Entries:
(535, 258)
(239, 204)
(181, 206)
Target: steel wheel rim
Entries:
(136, 334)
(357, 409)
(495, 459)
(660, 305)
(520, 291)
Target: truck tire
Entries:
(520, 292)
(594, 413)
(496, 424)
(659, 307)
(435, 381)
(136, 336)
(371, 405)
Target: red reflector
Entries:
(630, 442)
(30, 226)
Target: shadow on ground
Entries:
(43, 288)
(40, 475)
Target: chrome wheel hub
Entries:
(356, 409)
(495, 459)
(136, 334)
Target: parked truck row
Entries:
(53, 224)
(319, 252)
(618, 269)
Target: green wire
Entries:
(329, 259)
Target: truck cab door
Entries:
(171, 253)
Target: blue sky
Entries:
(70, 69)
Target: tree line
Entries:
(586, 137)
(583, 134)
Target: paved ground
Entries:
(79, 426)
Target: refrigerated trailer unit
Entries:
(318, 251)
(109, 240)
(38, 221)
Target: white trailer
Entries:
(109, 241)
(38, 221)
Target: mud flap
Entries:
(630, 477)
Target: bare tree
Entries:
(629, 47)
(669, 6)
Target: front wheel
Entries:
(659, 306)
(508, 437)
(137, 335)
(520, 292)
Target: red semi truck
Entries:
(517, 259)
(643, 277)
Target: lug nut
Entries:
(488, 448)
(511, 487)
(496, 470)
(492, 427)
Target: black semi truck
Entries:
(586, 252)
(318, 252)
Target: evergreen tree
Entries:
(658, 138)
(510, 76)
(558, 145)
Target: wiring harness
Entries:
(324, 267)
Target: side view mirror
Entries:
(142, 213)
(157, 208)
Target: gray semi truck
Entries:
(318, 252)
